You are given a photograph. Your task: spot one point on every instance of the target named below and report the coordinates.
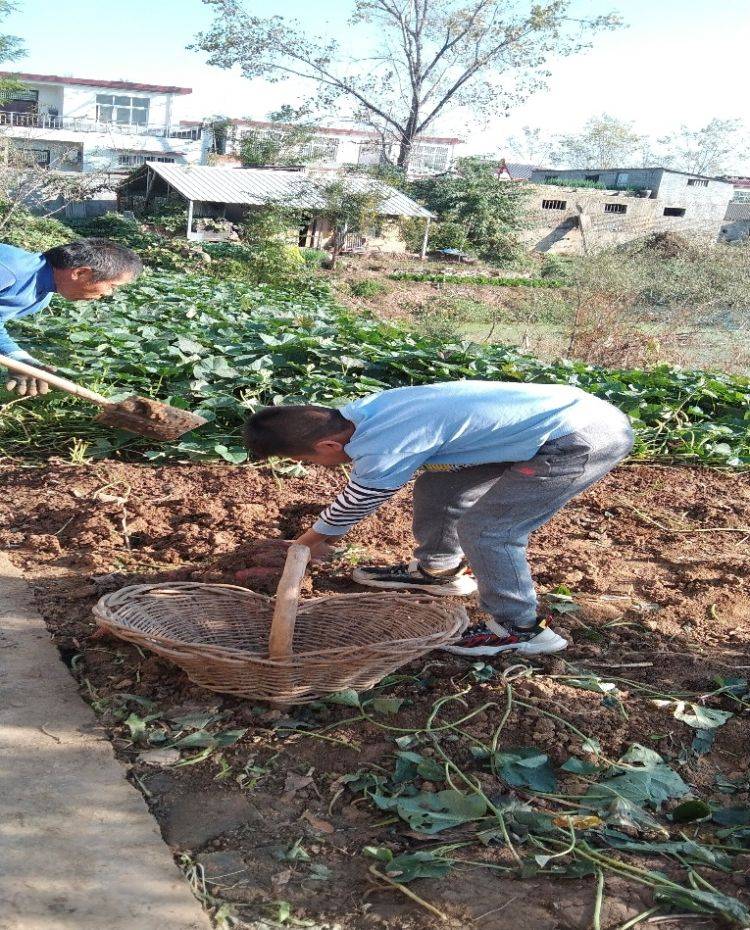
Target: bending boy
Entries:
(499, 460)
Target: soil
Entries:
(152, 418)
(656, 559)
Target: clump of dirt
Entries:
(667, 244)
(661, 609)
(152, 418)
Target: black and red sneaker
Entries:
(411, 577)
(492, 638)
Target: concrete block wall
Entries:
(560, 231)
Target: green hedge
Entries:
(473, 279)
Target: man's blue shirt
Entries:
(26, 286)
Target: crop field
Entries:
(606, 787)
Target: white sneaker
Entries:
(492, 638)
(410, 577)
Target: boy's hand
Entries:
(319, 545)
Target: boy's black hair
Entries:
(291, 430)
(107, 259)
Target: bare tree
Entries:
(46, 190)
(428, 56)
(711, 149)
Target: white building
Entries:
(333, 148)
(85, 125)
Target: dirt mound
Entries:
(666, 245)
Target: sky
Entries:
(677, 62)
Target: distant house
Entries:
(87, 124)
(332, 148)
(229, 193)
(736, 226)
(633, 202)
(741, 187)
(515, 171)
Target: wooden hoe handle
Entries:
(287, 602)
(70, 387)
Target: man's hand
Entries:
(26, 386)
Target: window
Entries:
(125, 111)
(592, 177)
(36, 156)
(554, 204)
(370, 153)
(615, 208)
(321, 148)
(674, 211)
(426, 156)
(622, 179)
(697, 182)
(19, 101)
(133, 159)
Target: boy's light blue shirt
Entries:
(26, 286)
(460, 423)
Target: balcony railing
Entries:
(76, 124)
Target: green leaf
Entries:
(430, 813)
(348, 697)
(526, 768)
(705, 902)
(702, 718)
(579, 767)
(703, 741)
(407, 867)
(387, 705)
(646, 780)
(732, 816)
(694, 809)
(235, 456)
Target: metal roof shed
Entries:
(258, 187)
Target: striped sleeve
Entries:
(353, 504)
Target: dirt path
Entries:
(656, 558)
(78, 848)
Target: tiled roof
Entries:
(95, 82)
(737, 211)
(519, 171)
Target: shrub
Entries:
(574, 182)
(369, 287)
(555, 266)
(487, 210)
(475, 279)
(314, 258)
(34, 233)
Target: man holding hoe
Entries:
(499, 460)
(87, 269)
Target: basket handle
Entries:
(287, 602)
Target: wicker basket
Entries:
(231, 640)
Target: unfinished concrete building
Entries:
(625, 204)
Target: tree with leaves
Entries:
(603, 142)
(348, 209)
(286, 142)
(488, 210)
(11, 47)
(428, 57)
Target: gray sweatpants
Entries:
(486, 512)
